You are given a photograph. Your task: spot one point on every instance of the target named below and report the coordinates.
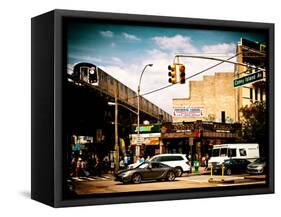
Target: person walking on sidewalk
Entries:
(206, 161)
(121, 164)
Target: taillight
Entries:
(187, 162)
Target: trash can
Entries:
(196, 166)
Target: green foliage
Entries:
(254, 124)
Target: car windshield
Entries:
(143, 165)
(227, 162)
(157, 159)
(259, 161)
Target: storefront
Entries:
(195, 139)
(149, 139)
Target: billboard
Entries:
(146, 138)
(188, 111)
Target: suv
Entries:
(178, 161)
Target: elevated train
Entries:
(90, 74)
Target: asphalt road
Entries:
(107, 185)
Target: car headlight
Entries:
(127, 173)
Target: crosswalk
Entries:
(92, 178)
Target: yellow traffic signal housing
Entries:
(182, 73)
(172, 74)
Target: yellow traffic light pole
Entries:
(177, 56)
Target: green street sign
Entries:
(248, 79)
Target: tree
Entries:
(254, 125)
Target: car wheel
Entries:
(136, 178)
(179, 171)
(228, 172)
(171, 176)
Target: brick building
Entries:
(212, 98)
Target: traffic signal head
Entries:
(182, 73)
(172, 74)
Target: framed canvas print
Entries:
(134, 108)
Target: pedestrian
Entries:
(121, 164)
(78, 168)
(112, 166)
(142, 159)
(97, 168)
(84, 166)
(203, 161)
(126, 161)
(105, 164)
(73, 166)
(206, 161)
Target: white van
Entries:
(220, 153)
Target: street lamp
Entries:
(138, 126)
(124, 106)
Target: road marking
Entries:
(200, 181)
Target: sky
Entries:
(123, 50)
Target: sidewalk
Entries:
(201, 171)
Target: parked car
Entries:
(232, 166)
(134, 165)
(147, 171)
(178, 161)
(257, 167)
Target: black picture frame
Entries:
(48, 65)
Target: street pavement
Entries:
(106, 184)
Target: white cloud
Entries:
(127, 76)
(157, 76)
(177, 44)
(154, 77)
(130, 37)
(107, 34)
(222, 48)
(117, 60)
(90, 59)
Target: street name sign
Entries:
(248, 79)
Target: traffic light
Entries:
(182, 73)
(172, 74)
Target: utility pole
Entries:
(116, 146)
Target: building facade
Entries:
(251, 53)
(211, 99)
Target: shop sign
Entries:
(76, 147)
(188, 111)
(146, 138)
(148, 128)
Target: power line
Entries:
(200, 72)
